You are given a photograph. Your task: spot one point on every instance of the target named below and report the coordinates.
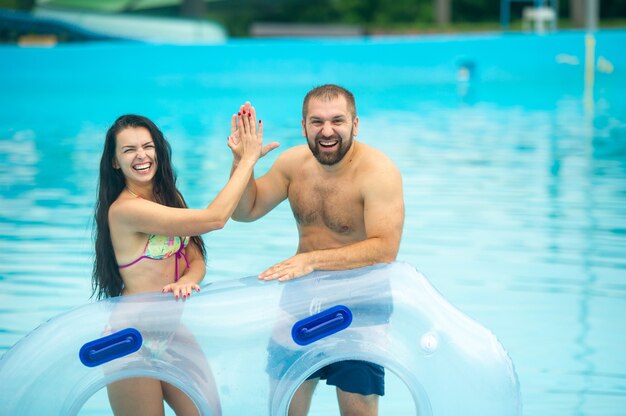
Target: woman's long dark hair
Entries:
(106, 279)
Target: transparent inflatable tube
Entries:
(231, 347)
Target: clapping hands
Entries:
(246, 140)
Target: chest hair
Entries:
(335, 204)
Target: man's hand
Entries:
(293, 267)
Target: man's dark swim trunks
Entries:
(354, 376)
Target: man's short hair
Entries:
(329, 92)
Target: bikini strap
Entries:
(178, 255)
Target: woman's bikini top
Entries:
(159, 247)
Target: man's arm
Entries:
(384, 219)
(263, 194)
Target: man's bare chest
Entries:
(336, 205)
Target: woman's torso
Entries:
(146, 262)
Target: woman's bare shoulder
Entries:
(123, 208)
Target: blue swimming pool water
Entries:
(515, 179)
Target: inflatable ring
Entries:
(245, 344)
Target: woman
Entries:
(148, 240)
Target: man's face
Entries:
(329, 129)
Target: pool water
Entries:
(512, 151)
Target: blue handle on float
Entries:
(103, 350)
(321, 325)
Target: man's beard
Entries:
(328, 158)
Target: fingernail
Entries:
(238, 114)
(244, 111)
(249, 114)
(260, 121)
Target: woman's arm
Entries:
(192, 276)
(140, 215)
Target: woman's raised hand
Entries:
(246, 140)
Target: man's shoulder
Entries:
(292, 159)
(378, 175)
(375, 159)
(298, 150)
(294, 155)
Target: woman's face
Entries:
(135, 155)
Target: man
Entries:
(347, 200)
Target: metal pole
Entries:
(591, 15)
(442, 12)
(504, 14)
